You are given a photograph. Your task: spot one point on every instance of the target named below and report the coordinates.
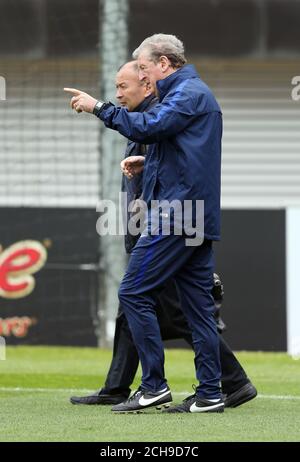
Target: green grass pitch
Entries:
(36, 383)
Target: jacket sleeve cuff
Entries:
(99, 106)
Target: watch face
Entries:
(98, 106)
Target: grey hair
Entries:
(163, 45)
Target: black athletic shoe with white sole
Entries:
(143, 399)
(194, 403)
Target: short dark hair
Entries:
(134, 65)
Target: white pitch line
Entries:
(85, 390)
(51, 390)
(278, 396)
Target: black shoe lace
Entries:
(134, 395)
(191, 396)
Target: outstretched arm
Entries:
(167, 118)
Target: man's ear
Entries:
(165, 63)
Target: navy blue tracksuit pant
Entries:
(153, 261)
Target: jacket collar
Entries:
(186, 72)
(145, 104)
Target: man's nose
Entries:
(118, 94)
(142, 75)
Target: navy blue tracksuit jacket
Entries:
(186, 128)
(183, 162)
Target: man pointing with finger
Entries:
(81, 101)
(183, 163)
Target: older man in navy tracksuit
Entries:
(135, 95)
(183, 163)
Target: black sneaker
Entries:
(241, 396)
(100, 397)
(143, 399)
(194, 403)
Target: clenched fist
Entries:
(132, 165)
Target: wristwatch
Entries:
(98, 106)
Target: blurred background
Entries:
(56, 165)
